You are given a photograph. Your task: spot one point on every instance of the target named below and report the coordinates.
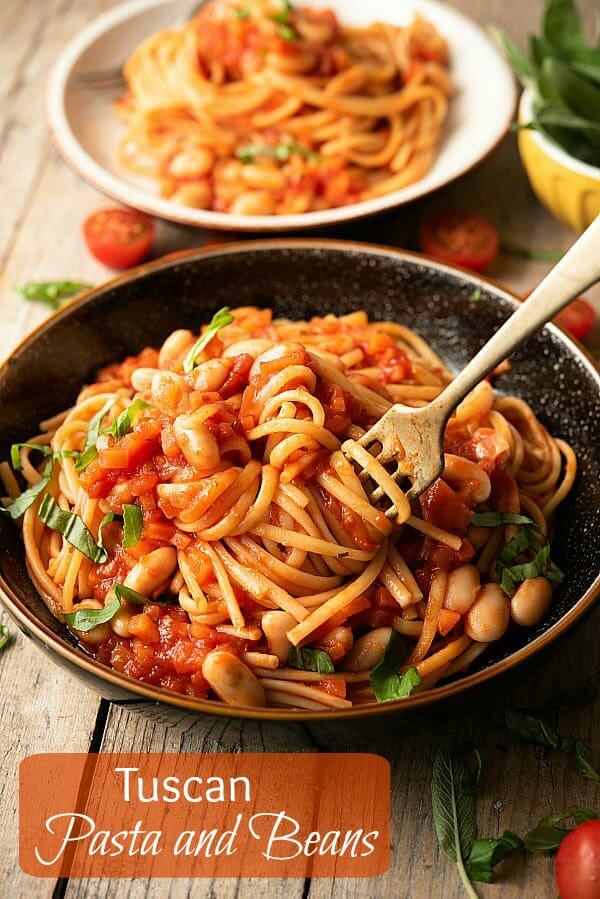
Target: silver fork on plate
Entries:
(414, 438)
(113, 78)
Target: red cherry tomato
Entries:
(577, 867)
(120, 238)
(461, 238)
(577, 318)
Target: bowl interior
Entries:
(88, 133)
(300, 279)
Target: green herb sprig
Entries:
(306, 659)
(85, 620)
(280, 152)
(72, 527)
(563, 72)
(548, 835)
(51, 293)
(387, 683)
(219, 320)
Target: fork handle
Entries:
(577, 270)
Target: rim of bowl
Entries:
(21, 612)
(550, 147)
(115, 187)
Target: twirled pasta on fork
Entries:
(195, 523)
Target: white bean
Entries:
(368, 649)
(197, 194)
(141, 378)
(209, 375)
(275, 626)
(193, 162)
(168, 391)
(531, 601)
(461, 588)
(152, 571)
(174, 347)
(488, 617)
(253, 202)
(232, 681)
(196, 442)
(120, 622)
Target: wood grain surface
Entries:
(44, 709)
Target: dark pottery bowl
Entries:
(299, 279)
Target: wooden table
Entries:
(43, 709)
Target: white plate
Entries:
(87, 132)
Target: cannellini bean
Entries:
(531, 601)
(275, 351)
(368, 649)
(120, 622)
(209, 375)
(488, 617)
(337, 642)
(174, 347)
(196, 442)
(275, 626)
(461, 588)
(467, 477)
(152, 571)
(253, 202)
(101, 632)
(193, 162)
(232, 681)
(141, 378)
(264, 177)
(253, 347)
(197, 194)
(167, 391)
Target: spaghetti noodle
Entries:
(260, 108)
(196, 524)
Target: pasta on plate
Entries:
(195, 523)
(261, 108)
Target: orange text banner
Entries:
(218, 815)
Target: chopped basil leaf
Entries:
(284, 13)
(20, 505)
(548, 836)
(386, 682)
(52, 293)
(125, 421)
(85, 458)
(110, 516)
(535, 730)
(4, 637)
(87, 619)
(475, 296)
(132, 528)
(487, 853)
(242, 12)
(126, 593)
(310, 660)
(281, 152)
(287, 33)
(219, 320)
(532, 255)
(494, 519)
(93, 431)
(44, 449)
(72, 528)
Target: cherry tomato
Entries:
(577, 867)
(461, 238)
(120, 238)
(577, 318)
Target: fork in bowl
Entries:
(413, 438)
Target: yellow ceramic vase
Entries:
(570, 189)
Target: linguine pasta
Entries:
(259, 108)
(195, 523)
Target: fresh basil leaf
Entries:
(520, 63)
(72, 528)
(219, 320)
(547, 835)
(15, 452)
(287, 33)
(576, 91)
(110, 516)
(132, 527)
(531, 729)
(51, 293)
(487, 853)
(20, 505)
(385, 679)
(533, 255)
(494, 519)
(85, 458)
(4, 637)
(242, 12)
(580, 750)
(93, 431)
(475, 295)
(87, 619)
(561, 25)
(124, 422)
(127, 593)
(281, 152)
(310, 660)
(453, 803)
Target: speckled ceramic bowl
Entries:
(301, 278)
